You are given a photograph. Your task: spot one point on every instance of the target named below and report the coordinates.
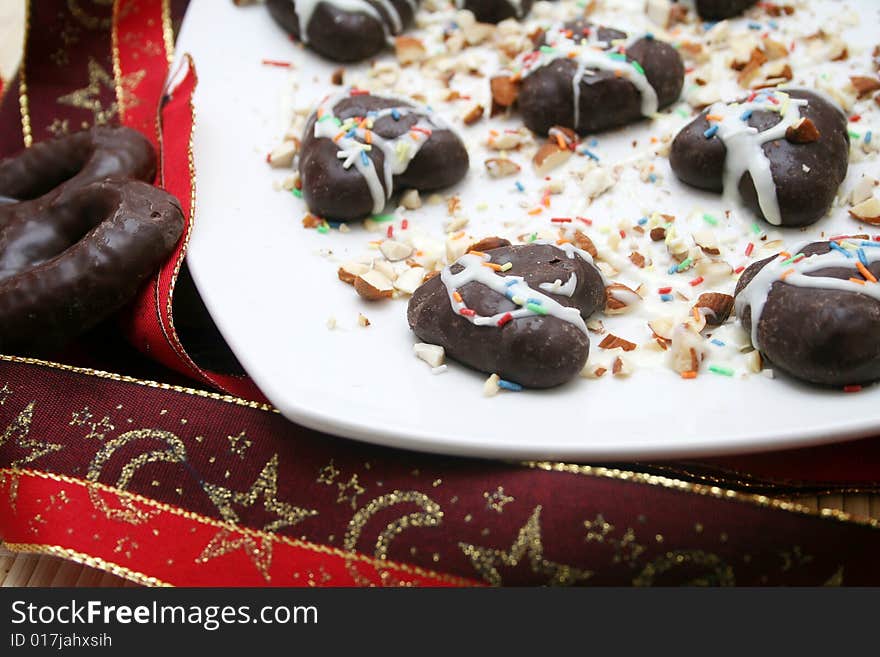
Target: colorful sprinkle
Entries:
(864, 271)
(717, 342)
(837, 247)
(519, 186)
(711, 132)
(689, 375)
(723, 371)
(509, 385)
(537, 309)
(666, 297)
(696, 281)
(467, 312)
(507, 266)
(506, 317)
(299, 194)
(852, 388)
(709, 219)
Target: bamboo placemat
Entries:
(21, 569)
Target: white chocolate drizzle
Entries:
(530, 301)
(591, 55)
(306, 8)
(355, 139)
(793, 271)
(744, 144)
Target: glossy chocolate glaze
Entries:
(538, 351)
(829, 337)
(79, 236)
(804, 195)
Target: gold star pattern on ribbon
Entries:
(97, 429)
(349, 491)
(598, 529)
(496, 500)
(265, 488)
(5, 393)
(328, 474)
(239, 444)
(528, 543)
(17, 433)
(89, 97)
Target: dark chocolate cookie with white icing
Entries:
(591, 78)
(495, 11)
(716, 10)
(358, 149)
(344, 30)
(516, 311)
(783, 153)
(815, 314)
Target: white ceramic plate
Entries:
(271, 296)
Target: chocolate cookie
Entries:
(716, 10)
(783, 153)
(344, 30)
(78, 237)
(358, 149)
(587, 78)
(517, 311)
(495, 11)
(815, 314)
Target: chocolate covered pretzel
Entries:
(344, 30)
(517, 311)
(591, 78)
(358, 149)
(783, 153)
(78, 236)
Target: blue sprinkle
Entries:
(334, 224)
(652, 178)
(673, 269)
(718, 342)
(537, 302)
(372, 114)
(364, 158)
(711, 132)
(643, 221)
(837, 247)
(746, 115)
(868, 136)
(594, 142)
(773, 24)
(519, 186)
(867, 243)
(863, 257)
(351, 134)
(754, 26)
(708, 25)
(590, 154)
(649, 36)
(512, 281)
(666, 297)
(395, 114)
(509, 385)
